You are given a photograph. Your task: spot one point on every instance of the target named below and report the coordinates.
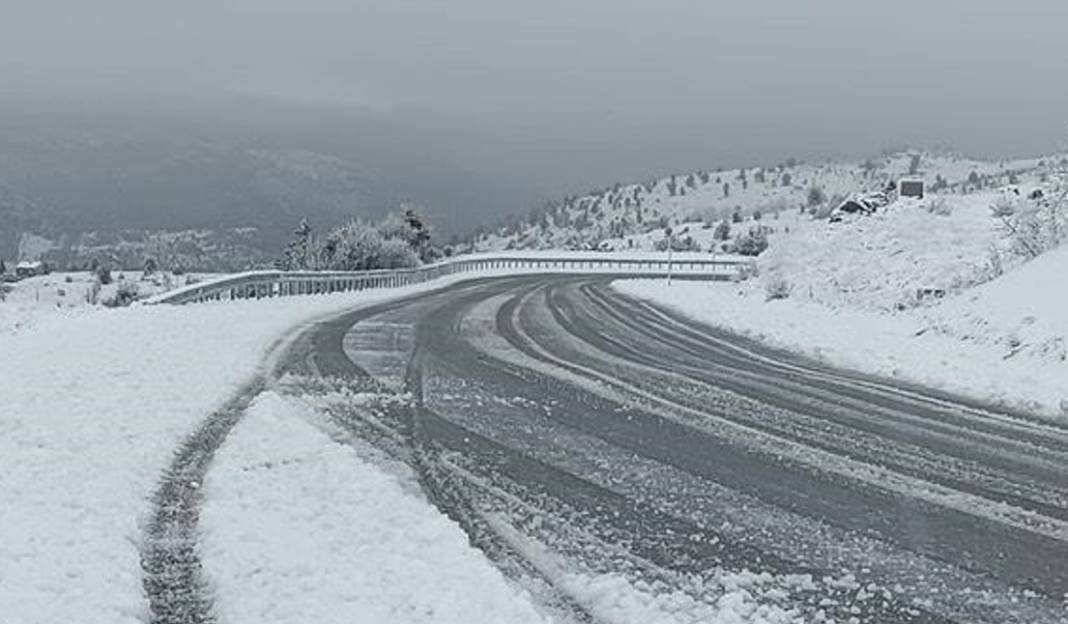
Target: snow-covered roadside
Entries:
(60, 296)
(298, 528)
(91, 409)
(1001, 342)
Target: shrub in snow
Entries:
(1034, 226)
(686, 243)
(1036, 229)
(744, 273)
(939, 206)
(824, 210)
(103, 275)
(752, 243)
(126, 294)
(816, 196)
(1003, 206)
(777, 287)
(994, 265)
(723, 231)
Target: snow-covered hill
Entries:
(635, 215)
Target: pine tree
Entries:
(297, 253)
(722, 231)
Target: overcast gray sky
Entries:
(572, 91)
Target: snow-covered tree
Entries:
(752, 243)
(297, 254)
(360, 246)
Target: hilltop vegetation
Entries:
(716, 210)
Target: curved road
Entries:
(569, 428)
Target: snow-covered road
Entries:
(612, 462)
(585, 435)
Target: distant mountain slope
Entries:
(76, 181)
(635, 215)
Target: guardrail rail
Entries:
(263, 284)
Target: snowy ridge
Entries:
(634, 216)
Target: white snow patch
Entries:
(614, 598)
(298, 528)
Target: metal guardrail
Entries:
(263, 284)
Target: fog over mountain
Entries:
(123, 113)
(227, 164)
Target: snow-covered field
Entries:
(62, 295)
(1003, 341)
(92, 406)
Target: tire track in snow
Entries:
(327, 352)
(172, 572)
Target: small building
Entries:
(29, 268)
(910, 188)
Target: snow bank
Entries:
(614, 598)
(1025, 311)
(1002, 342)
(297, 528)
(91, 410)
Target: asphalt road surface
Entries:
(550, 414)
